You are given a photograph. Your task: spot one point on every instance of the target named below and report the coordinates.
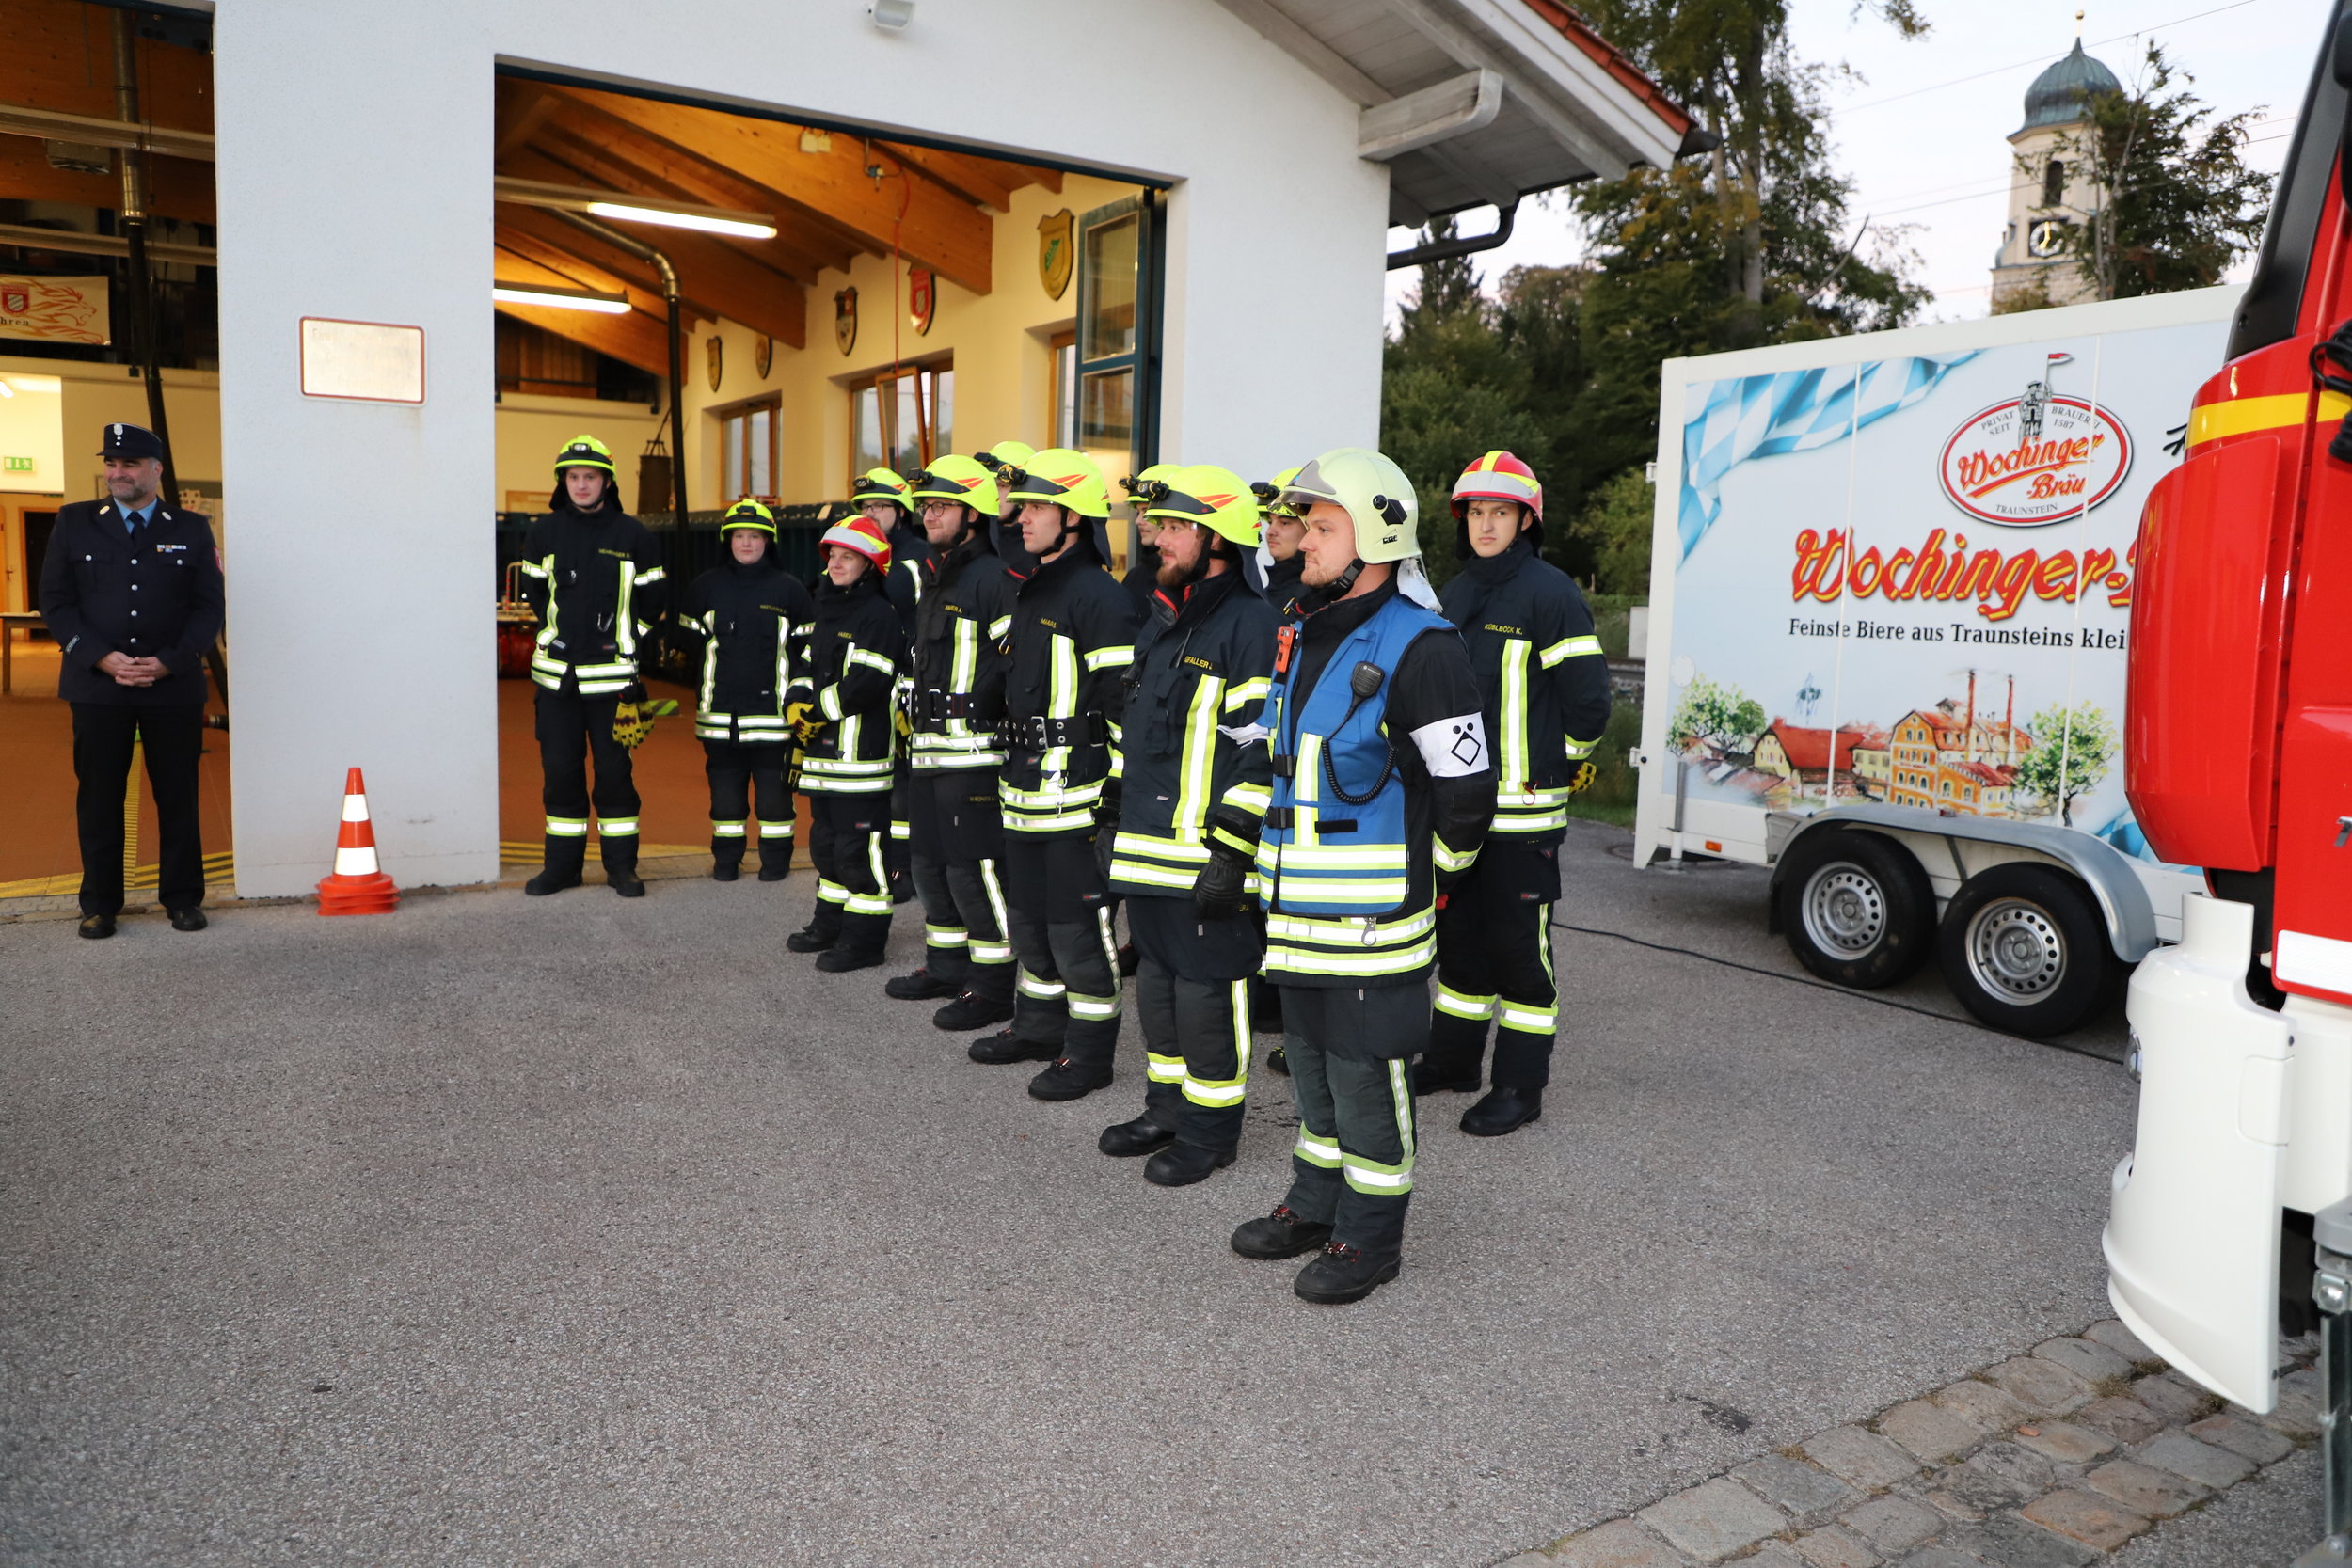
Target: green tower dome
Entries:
(2061, 94)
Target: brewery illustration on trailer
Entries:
(1909, 580)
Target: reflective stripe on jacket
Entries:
(594, 580)
(1073, 637)
(1195, 701)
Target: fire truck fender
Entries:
(2193, 1234)
(1934, 839)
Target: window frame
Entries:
(1061, 401)
(1142, 359)
(735, 486)
(927, 372)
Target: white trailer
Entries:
(1890, 593)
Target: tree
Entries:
(1720, 718)
(2175, 202)
(1614, 529)
(2072, 749)
(1752, 244)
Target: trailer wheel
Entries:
(2025, 949)
(1857, 908)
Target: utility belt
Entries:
(1042, 733)
(935, 707)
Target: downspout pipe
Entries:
(141, 287)
(660, 264)
(1461, 245)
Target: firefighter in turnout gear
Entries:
(1546, 690)
(1003, 460)
(1071, 639)
(880, 496)
(1382, 794)
(1195, 762)
(1283, 531)
(593, 575)
(955, 710)
(843, 712)
(1143, 561)
(754, 618)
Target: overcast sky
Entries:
(1919, 126)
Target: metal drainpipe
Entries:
(1464, 245)
(639, 249)
(141, 288)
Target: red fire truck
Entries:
(2232, 1215)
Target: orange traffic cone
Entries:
(357, 886)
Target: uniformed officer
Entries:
(1143, 565)
(593, 575)
(1546, 689)
(845, 706)
(1382, 793)
(1194, 748)
(131, 590)
(957, 702)
(1073, 635)
(754, 618)
(881, 496)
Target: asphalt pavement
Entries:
(577, 1230)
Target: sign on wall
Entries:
(368, 361)
(845, 320)
(55, 309)
(1056, 259)
(922, 299)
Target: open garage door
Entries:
(824, 300)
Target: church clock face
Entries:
(2047, 237)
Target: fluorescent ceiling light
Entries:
(563, 299)
(637, 208)
(741, 228)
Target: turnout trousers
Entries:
(1192, 995)
(172, 735)
(572, 730)
(1067, 994)
(743, 776)
(1494, 965)
(1352, 1167)
(957, 837)
(846, 835)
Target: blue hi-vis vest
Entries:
(1318, 853)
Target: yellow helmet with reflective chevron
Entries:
(1217, 499)
(1004, 455)
(1269, 494)
(1066, 477)
(877, 485)
(952, 477)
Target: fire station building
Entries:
(396, 255)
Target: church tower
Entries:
(2050, 192)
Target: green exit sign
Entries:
(17, 465)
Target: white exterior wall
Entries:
(355, 176)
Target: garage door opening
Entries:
(105, 139)
(742, 304)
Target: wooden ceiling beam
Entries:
(176, 188)
(522, 108)
(929, 224)
(714, 278)
(635, 339)
(59, 54)
(799, 251)
(976, 179)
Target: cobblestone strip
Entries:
(2051, 1460)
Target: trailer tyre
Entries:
(2025, 949)
(1857, 908)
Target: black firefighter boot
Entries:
(727, 859)
(620, 866)
(861, 943)
(562, 857)
(1343, 1274)
(822, 930)
(775, 857)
